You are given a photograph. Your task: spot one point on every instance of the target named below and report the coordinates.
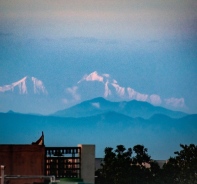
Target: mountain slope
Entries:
(103, 130)
(131, 108)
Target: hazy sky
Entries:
(149, 45)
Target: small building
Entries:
(30, 164)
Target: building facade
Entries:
(29, 164)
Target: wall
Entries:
(30, 160)
(23, 160)
(87, 163)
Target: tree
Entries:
(122, 164)
(182, 168)
(119, 167)
(141, 156)
(115, 166)
(108, 165)
(144, 170)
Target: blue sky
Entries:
(150, 46)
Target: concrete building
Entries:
(29, 164)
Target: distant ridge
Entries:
(11, 112)
(131, 108)
(160, 133)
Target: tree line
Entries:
(135, 166)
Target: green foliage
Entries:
(119, 167)
(116, 165)
(182, 169)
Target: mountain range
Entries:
(88, 87)
(111, 88)
(96, 85)
(131, 108)
(104, 123)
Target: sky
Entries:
(150, 46)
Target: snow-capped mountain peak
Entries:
(94, 76)
(103, 85)
(111, 86)
(21, 86)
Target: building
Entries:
(31, 164)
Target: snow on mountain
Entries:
(119, 90)
(107, 90)
(21, 86)
(111, 89)
(38, 86)
(93, 77)
(91, 86)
